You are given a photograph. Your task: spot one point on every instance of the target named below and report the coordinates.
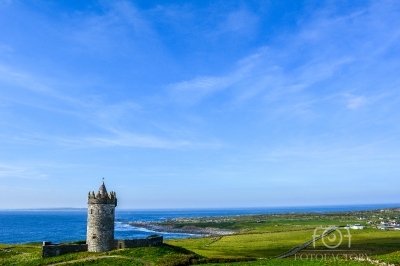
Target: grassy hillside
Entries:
(30, 254)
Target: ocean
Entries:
(63, 225)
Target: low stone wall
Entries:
(51, 250)
(135, 243)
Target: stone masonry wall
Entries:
(56, 250)
(51, 250)
(100, 227)
(134, 243)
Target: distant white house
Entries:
(386, 227)
(355, 226)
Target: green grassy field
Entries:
(259, 238)
(30, 254)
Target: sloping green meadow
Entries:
(258, 245)
(30, 254)
(263, 246)
(270, 236)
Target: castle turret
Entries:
(100, 223)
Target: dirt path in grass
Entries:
(213, 240)
(306, 244)
(101, 257)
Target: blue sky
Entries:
(187, 104)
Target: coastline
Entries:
(192, 230)
(218, 225)
(38, 225)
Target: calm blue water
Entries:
(22, 226)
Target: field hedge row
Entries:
(193, 259)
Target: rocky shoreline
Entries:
(194, 230)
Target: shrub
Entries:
(220, 260)
(177, 260)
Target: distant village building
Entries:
(357, 227)
(100, 229)
(354, 226)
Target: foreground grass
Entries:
(392, 258)
(291, 262)
(31, 255)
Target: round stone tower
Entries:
(100, 222)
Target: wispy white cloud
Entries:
(108, 128)
(337, 157)
(41, 85)
(260, 74)
(18, 78)
(99, 114)
(190, 92)
(124, 139)
(5, 50)
(355, 102)
(121, 21)
(240, 22)
(111, 138)
(19, 189)
(15, 171)
(327, 51)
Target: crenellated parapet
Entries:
(102, 198)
